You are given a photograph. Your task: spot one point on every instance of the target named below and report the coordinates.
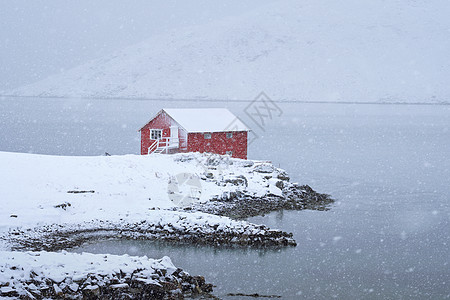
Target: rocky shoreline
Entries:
(241, 201)
(28, 276)
(56, 237)
(116, 286)
(238, 205)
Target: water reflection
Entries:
(159, 249)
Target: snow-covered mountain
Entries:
(308, 50)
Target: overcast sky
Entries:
(42, 37)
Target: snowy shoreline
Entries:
(55, 203)
(63, 275)
(174, 227)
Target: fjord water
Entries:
(388, 167)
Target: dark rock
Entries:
(283, 176)
(255, 295)
(279, 184)
(91, 291)
(8, 292)
(63, 205)
(241, 205)
(239, 180)
(264, 168)
(247, 163)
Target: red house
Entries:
(212, 130)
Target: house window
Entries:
(155, 134)
(229, 153)
(229, 135)
(207, 136)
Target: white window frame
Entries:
(207, 136)
(229, 135)
(155, 130)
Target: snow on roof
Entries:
(206, 119)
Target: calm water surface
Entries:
(388, 167)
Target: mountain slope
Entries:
(311, 50)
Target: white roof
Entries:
(206, 119)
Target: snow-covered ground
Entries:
(310, 50)
(82, 192)
(112, 187)
(69, 271)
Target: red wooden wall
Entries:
(219, 143)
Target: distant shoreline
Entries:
(2, 97)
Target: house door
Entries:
(174, 141)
